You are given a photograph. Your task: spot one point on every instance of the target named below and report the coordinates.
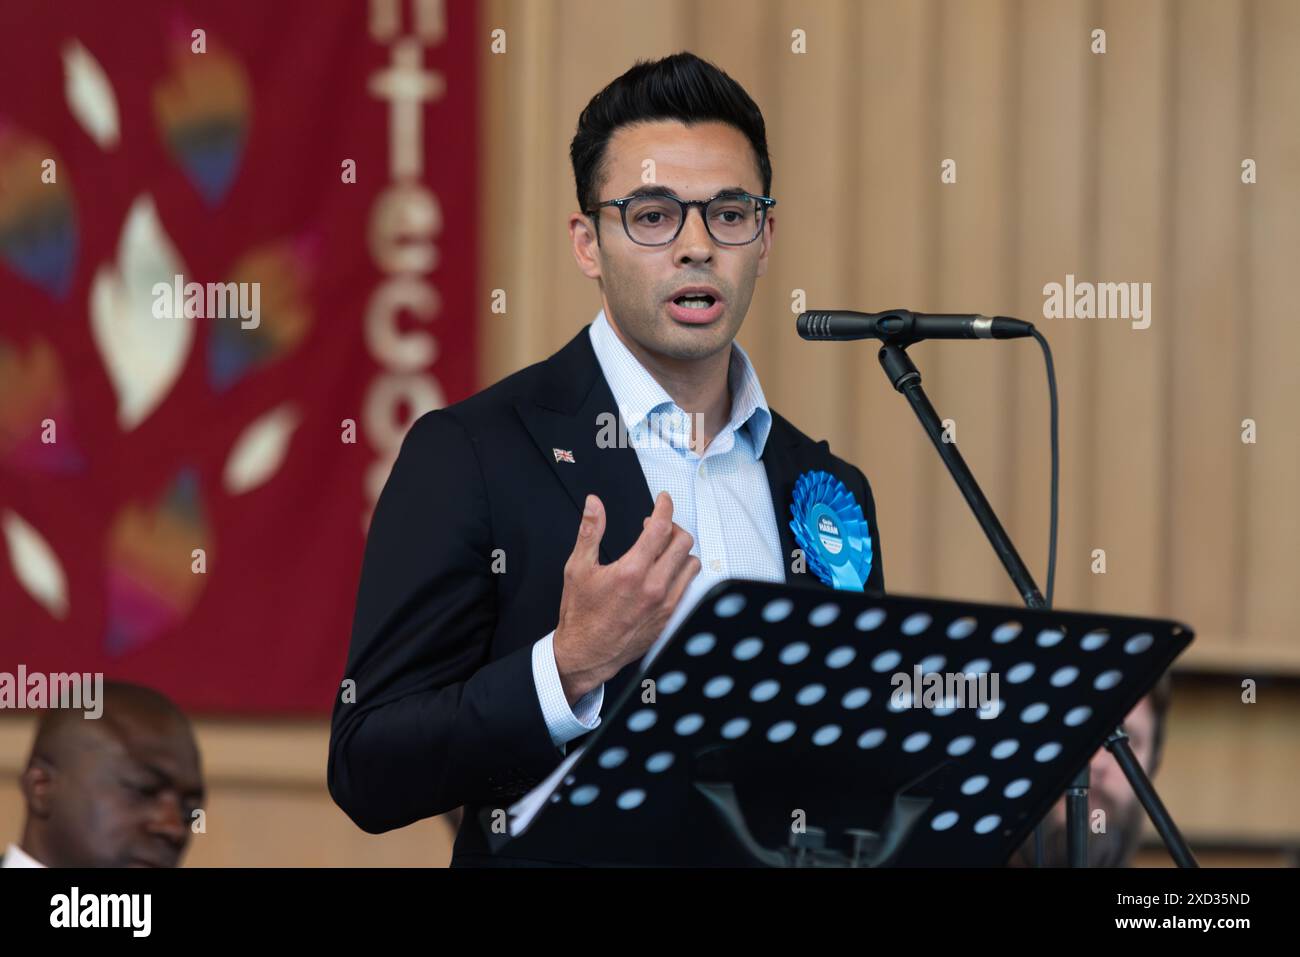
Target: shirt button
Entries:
(715, 564)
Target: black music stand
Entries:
(784, 709)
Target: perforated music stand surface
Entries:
(797, 684)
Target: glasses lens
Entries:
(734, 219)
(652, 219)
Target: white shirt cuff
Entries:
(564, 723)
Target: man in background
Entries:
(1110, 792)
(117, 791)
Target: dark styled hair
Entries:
(678, 87)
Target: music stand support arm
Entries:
(1179, 850)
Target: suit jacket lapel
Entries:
(567, 413)
(782, 462)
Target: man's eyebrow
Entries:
(654, 189)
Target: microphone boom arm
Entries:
(906, 378)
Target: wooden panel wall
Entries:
(1115, 167)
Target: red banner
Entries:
(225, 292)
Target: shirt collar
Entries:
(638, 394)
(15, 856)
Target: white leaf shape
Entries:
(143, 354)
(259, 451)
(35, 564)
(90, 95)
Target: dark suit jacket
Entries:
(446, 712)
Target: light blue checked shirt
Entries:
(722, 497)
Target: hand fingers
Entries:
(685, 575)
(586, 550)
(664, 571)
(655, 535)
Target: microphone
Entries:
(905, 326)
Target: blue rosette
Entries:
(830, 528)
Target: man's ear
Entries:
(37, 784)
(586, 244)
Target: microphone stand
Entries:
(906, 378)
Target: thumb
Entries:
(590, 531)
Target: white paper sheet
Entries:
(525, 809)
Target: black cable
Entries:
(1051, 540)
(1056, 464)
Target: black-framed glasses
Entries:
(732, 217)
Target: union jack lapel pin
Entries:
(563, 455)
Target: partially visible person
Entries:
(117, 791)
(1109, 791)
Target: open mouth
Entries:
(695, 301)
(697, 307)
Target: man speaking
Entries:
(533, 540)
